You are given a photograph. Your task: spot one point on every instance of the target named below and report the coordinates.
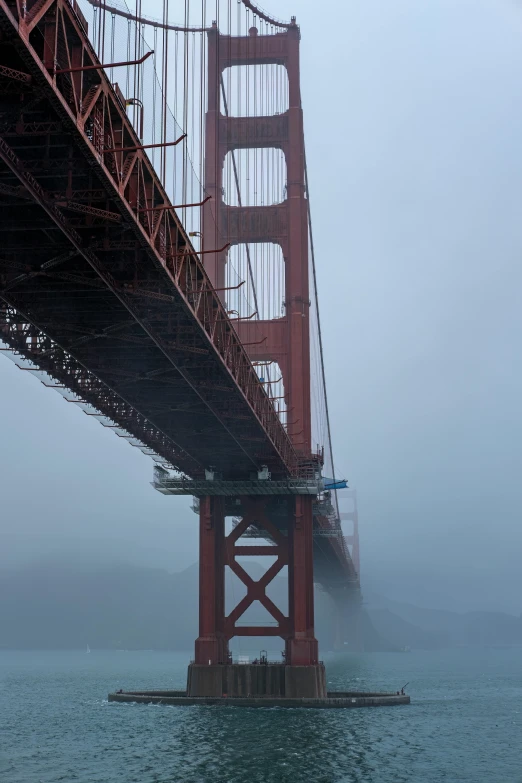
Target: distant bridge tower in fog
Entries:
(348, 630)
(351, 539)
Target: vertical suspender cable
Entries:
(177, 93)
(164, 85)
(154, 92)
(113, 32)
(239, 200)
(95, 28)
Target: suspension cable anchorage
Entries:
(101, 66)
(136, 147)
(176, 206)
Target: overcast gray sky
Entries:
(414, 142)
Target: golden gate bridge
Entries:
(157, 267)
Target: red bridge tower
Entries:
(287, 520)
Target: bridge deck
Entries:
(100, 285)
(90, 260)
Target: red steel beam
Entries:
(11, 73)
(101, 66)
(175, 206)
(227, 344)
(145, 147)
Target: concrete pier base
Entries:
(256, 680)
(259, 685)
(333, 700)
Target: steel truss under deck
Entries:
(93, 261)
(101, 288)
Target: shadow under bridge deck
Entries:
(99, 286)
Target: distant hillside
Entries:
(401, 633)
(405, 624)
(57, 605)
(66, 605)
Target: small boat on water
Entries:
(88, 649)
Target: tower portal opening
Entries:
(258, 90)
(254, 177)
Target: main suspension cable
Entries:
(321, 353)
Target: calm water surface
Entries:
(465, 723)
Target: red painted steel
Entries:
(254, 511)
(212, 644)
(293, 549)
(176, 206)
(91, 110)
(126, 245)
(285, 340)
(101, 66)
(135, 147)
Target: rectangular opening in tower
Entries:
(259, 90)
(262, 268)
(254, 177)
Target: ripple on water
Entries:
(464, 724)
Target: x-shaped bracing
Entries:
(254, 514)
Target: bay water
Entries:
(464, 723)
